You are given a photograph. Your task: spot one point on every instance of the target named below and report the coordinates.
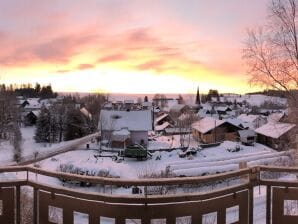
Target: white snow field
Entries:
(30, 148)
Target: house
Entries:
(253, 121)
(31, 117)
(276, 116)
(247, 137)
(112, 123)
(276, 135)
(178, 109)
(223, 109)
(162, 122)
(210, 130)
(31, 104)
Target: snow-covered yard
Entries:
(206, 161)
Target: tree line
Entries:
(64, 120)
(30, 91)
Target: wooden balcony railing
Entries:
(214, 194)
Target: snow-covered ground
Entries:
(209, 160)
(30, 148)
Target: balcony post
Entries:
(35, 206)
(254, 176)
(268, 205)
(18, 204)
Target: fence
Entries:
(144, 208)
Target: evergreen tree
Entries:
(75, 125)
(54, 128)
(42, 133)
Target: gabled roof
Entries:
(134, 120)
(36, 113)
(275, 117)
(177, 107)
(161, 117)
(274, 130)
(249, 118)
(206, 124)
(162, 126)
(33, 103)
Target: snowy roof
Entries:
(33, 103)
(206, 113)
(274, 130)
(236, 122)
(36, 113)
(162, 126)
(135, 120)
(177, 107)
(206, 124)
(246, 133)
(275, 117)
(248, 117)
(222, 108)
(86, 112)
(158, 119)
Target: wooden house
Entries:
(210, 130)
(276, 135)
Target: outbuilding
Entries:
(276, 135)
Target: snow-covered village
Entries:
(113, 115)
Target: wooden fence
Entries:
(146, 209)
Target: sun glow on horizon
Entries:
(112, 80)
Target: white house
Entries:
(136, 124)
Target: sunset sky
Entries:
(130, 46)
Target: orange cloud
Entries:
(85, 66)
(112, 58)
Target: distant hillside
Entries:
(271, 92)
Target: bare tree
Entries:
(271, 51)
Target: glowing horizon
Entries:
(97, 47)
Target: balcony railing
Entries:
(214, 194)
